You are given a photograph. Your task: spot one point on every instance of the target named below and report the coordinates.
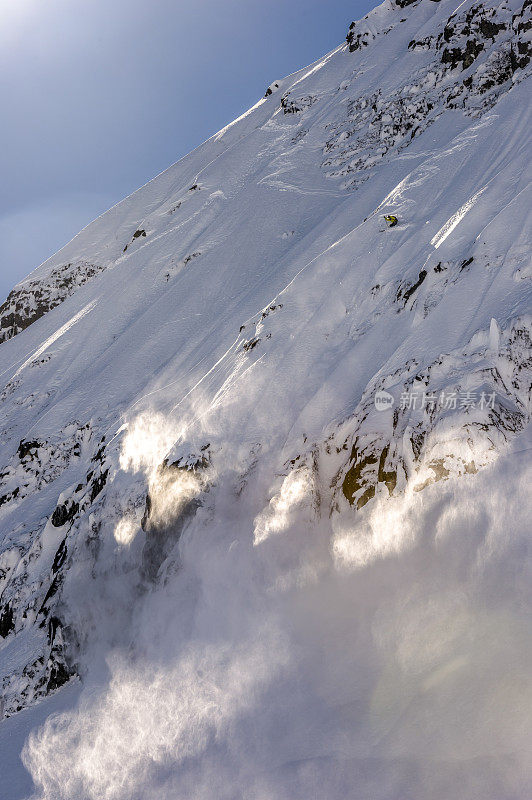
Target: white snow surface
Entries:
(319, 599)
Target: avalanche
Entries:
(264, 522)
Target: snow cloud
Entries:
(149, 720)
(147, 441)
(295, 488)
(408, 646)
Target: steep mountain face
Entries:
(263, 459)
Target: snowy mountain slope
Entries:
(269, 583)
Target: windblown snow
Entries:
(264, 462)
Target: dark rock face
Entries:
(455, 55)
(475, 25)
(7, 623)
(379, 465)
(38, 462)
(490, 29)
(296, 105)
(138, 233)
(59, 675)
(15, 314)
(64, 513)
(9, 496)
(362, 468)
(357, 39)
(350, 38)
(486, 42)
(98, 484)
(58, 671)
(521, 24)
(271, 89)
(35, 464)
(59, 558)
(26, 449)
(407, 294)
(30, 301)
(251, 344)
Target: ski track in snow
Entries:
(55, 336)
(455, 220)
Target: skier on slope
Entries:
(390, 220)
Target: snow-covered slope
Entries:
(264, 461)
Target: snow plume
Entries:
(295, 488)
(147, 441)
(151, 718)
(387, 529)
(170, 490)
(399, 667)
(126, 530)
(390, 525)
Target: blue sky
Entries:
(100, 96)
